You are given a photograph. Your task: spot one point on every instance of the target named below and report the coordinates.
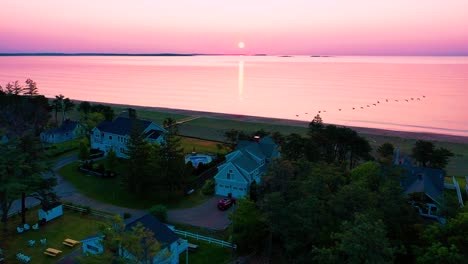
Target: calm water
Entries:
(283, 87)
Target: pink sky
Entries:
(336, 27)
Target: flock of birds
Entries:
(374, 104)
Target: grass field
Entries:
(206, 253)
(70, 225)
(202, 146)
(109, 190)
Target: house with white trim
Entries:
(244, 166)
(171, 245)
(116, 134)
(69, 130)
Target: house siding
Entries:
(238, 184)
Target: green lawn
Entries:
(207, 253)
(109, 190)
(202, 146)
(70, 225)
(214, 129)
(157, 117)
(63, 149)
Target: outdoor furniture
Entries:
(52, 252)
(23, 258)
(26, 227)
(20, 230)
(43, 241)
(32, 243)
(70, 242)
(35, 226)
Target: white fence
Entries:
(205, 238)
(87, 210)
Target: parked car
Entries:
(225, 203)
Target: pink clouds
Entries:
(280, 27)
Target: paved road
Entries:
(204, 215)
(69, 193)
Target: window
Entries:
(110, 137)
(228, 176)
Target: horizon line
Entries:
(206, 54)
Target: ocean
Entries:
(418, 94)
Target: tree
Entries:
(85, 108)
(438, 253)
(159, 211)
(31, 88)
(140, 153)
(105, 110)
(57, 105)
(385, 151)
(231, 138)
(249, 228)
(135, 246)
(427, 155)
(111, 160)
(83, 151)
(361, 241)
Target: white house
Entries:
(171, 244)
(116, 134)
(69, 130)
(245, 165)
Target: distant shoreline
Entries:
(296, 123)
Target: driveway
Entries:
(205, 215)
(68, 193)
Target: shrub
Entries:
(209, 187)
(160, 212)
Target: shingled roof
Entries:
(122, 125)
(67, 126)
(427, 180)
(161, 232)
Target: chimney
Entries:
(257, 139)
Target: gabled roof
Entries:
(427, 180)
(219, 175)
(162, 233)
(245, 161)
(122, 125)
(153, 134)
(67, 126)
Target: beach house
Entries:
(427, 182)
(116, 134)
(244, 166)
(69, 130)
(171, 245)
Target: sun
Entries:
(241, 45)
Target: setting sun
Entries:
(241, 45)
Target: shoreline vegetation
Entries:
(293, 123)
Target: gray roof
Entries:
(122, 125)
(67, 126)
(244, 161)
(161, 232)
(427, 180)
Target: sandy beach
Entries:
(289, 122)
